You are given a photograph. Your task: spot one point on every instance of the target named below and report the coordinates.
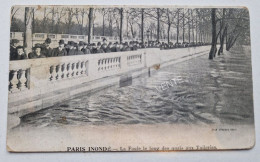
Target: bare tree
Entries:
(13, 12)
(46, 13)
(28, 29)
(214, 35)
(90, 24)
(68, 19)
(61, 12)
(80, 15)
(103, 12)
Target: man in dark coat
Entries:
(19, 55)
(46, 49)
(86, 49)
(134, 46)
(79, 48)
(115, 48)
(99, 50)
(71, 48)
(93, 48)
(105, 48)
(60, 51)
(126, 47)
(13, 45)
(37, 53)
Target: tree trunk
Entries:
(142, 25)
(196, 30)
(90, 24)
(103, 25)
(183, 27)
(168, 33)
(158, 24)
(192, 26)
(222, 33)
(33, 21)
(189, 24)
(28, 29)
(213, 43)
(121, 25)
(222, 38)
(52, 20)
(178, 24)
(82, 22)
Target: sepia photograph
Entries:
(129, 78)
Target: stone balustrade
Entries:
(44, 75)
(134, 60)
(35, 84)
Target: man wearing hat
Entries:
(105, 48)
(79, 48)
(93, 48)
(19, 55)
(99, 50)
(60, 51)
(71, 48)
(86, 49)
(115, 48)
(46, 49)
(126, 47)
(37, 52)
(13, 45)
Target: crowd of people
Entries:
(71, 48)
(81, 48)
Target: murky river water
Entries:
(195, 91)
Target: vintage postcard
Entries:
(129, 78)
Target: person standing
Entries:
(99, 50)
(71, 48)
(86, 49)
(60, 51)
(13, 45)
(46, 49)
(19, 55)
(79, 48)
(37, 52)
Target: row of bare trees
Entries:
(228, 26)
(225, 26)
(136, 20)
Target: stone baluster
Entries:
(108, 64)
(69, 70)
(102, 65)
(74, 69)
(14, 82)
(59, 71)
(79, 68)
(63, 70)
(54, 73)
(51, 73)
(83, 67)
(23, 80)
(119, 61)
(115, 63)
(111, 63)
(105, 65)
(99, 63)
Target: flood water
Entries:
(198, 91)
